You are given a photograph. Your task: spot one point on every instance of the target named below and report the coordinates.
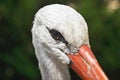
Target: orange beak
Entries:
(85, 65)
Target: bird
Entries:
(60, 37)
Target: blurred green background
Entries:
(17, 57)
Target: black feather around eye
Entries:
(57, 35)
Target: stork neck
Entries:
(51, 69)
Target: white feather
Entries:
(52, 61)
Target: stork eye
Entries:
(57, 35)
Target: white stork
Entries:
(60, 39)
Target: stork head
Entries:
(59, 31)
(62, 25)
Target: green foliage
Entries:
(17, 57)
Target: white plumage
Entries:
(50, 53)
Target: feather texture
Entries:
(53, 62)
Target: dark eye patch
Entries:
(57, 35)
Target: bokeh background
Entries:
(17, 57)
